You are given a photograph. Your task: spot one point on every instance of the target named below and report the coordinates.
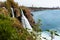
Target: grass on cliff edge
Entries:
(8, 32)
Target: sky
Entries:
(39, 3)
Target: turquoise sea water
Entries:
(50, 19)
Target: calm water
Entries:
(50, 19)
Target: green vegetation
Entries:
(52, 33)
(8, 32)
(39, 31)
(11, 28)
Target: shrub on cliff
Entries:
(7, 32)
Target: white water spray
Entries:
(12, 12)
(25, 22)
(27, 25)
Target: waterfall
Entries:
(12, 12)
(25, 22)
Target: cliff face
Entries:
(28, 15)
(4, 11)
(5, 8)
(12, 27)
(11, 4)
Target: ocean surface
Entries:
(50, 19)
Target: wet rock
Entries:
(17, 12)
(10, 3)
(28, 15)
(6, 10)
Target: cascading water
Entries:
(27, 25)
(25, 22)
(12, 12)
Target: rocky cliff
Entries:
(5, 8)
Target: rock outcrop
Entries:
(5, 8)
(11, 4)
(4, 11)
(28, 15)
